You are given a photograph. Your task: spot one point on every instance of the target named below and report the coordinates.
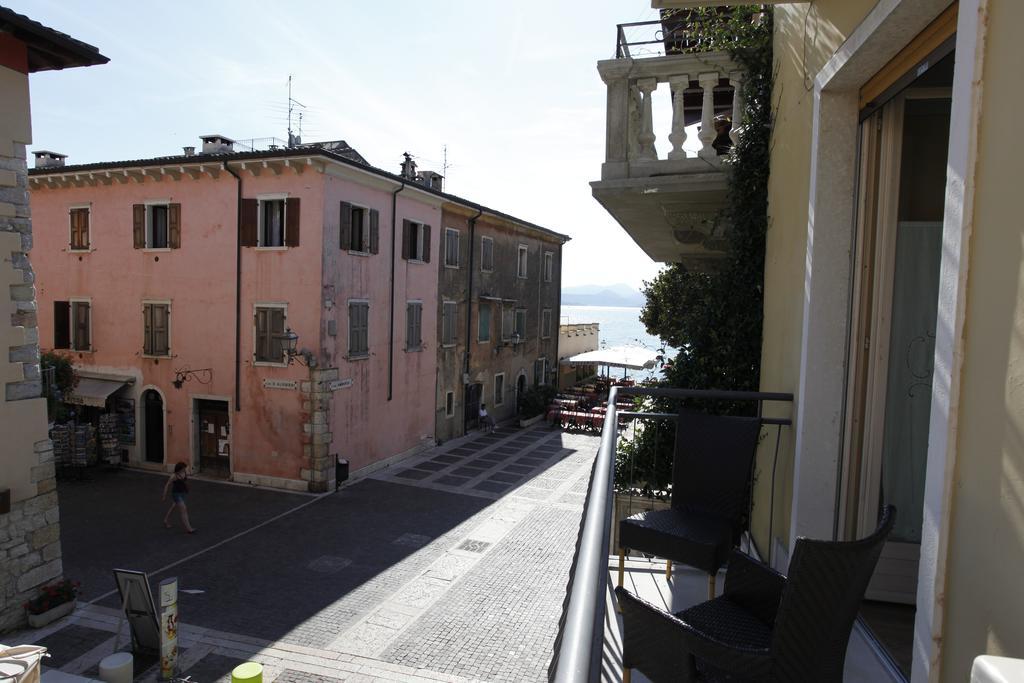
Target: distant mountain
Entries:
(602, 295)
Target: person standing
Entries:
(177, 484)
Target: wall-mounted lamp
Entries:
(289, 343)
(203, 376)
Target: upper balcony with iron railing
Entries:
(704, 97)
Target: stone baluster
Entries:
(707, 115)
(736, 80)
(677, 86)
(646, 135)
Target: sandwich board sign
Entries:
(139, 609)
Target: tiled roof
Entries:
(301, 151)
(48, 49)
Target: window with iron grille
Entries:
(156, 319)
(449, 314)
(269, 322)
(358, 329)
(414, 326)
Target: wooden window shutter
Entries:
(374, 231)
(82, 322)
(174, 226)
(249, 222)
(426, 243)
(276, 329)
(83, 227)
(291, 219)
(139, 226)
(410, 325)
(161, 343)
(407, 239)
(61, 324)
(147, 335)
(345, 236)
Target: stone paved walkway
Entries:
(449, 566)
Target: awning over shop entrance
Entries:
(93, 389)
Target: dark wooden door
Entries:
(214, 438)
(153, 405)
(473, 394)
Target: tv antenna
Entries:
(293, 139)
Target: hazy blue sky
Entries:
(511, 88)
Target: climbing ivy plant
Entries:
(715, 318)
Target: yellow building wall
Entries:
(806, 37)
(985, 565)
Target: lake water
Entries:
(619, 327)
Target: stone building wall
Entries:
(30, 551)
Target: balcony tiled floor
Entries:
(687, 587)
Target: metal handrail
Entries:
(581, 640)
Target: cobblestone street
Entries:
(450, 565)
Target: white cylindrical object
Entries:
(117, 668)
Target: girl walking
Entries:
(177, 483)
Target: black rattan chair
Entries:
(710, 488)
(764, 627)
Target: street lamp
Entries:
(289, 342)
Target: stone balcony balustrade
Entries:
(670, 204)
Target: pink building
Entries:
(177, 284)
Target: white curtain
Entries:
(909, 381)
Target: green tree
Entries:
(64, 378)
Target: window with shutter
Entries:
(156, 338)
(545, 323)
(486, 254)
(449, 314)
(271, 223)
(484, 323)
(292, 214)
(139, 226)
(521, 262)
(358, 329)
(507, 320)
(549, 266)
(248, 228)
(174, 226)
(81, 330)
(426, 243)
(61, 324)
(539, 367)
(79, 219)
(499, 388)
(414, 326)
(157, 226)
(269, 327)
(374, 231)
(520, 328)
(359, 229)
(451, 248)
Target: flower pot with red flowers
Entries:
(53, 602)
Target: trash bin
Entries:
(340, 472)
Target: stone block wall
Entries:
(316, 435)
(30, 550)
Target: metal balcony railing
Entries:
(580, 642)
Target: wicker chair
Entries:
(764, 627)
(710, 488)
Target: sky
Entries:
(511, 89)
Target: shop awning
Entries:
(631, 357)
(94, 389)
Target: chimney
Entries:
(217, 144)
(435, 181)
(189, 151)
(408, 167)
(46, 159)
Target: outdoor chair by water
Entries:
(765, 626)
(710, 488)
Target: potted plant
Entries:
(52, 603)
(533, 403)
